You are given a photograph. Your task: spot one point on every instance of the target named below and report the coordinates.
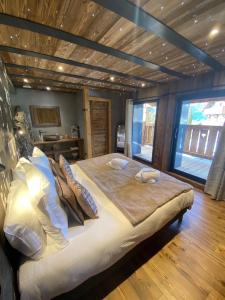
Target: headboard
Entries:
(8, 157)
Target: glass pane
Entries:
(144, 117)
(200, 125)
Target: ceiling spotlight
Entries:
(112, 78)
(143, 84)
(214, 32)
(48, 88)
(25, 80)
(60, 68)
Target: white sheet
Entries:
(93, 247)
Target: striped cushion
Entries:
(84, 198)
(56, 168)
(68, 198)
(65, 167)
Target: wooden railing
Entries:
(196, 140)
(201, 140)
(147, 134)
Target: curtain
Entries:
(128, 128)
(215, 184)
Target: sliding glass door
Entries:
(198, 129)
(144, 119)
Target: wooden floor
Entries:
(186, 262)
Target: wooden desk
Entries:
(70, 148)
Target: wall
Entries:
(8, 153)
(167, 95)
(70, 107)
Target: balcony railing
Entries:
(147, 134)
(196, 140)
(201, 140)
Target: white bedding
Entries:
(93, 247)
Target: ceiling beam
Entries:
(72, 63)
(43, 87)
(49, 80)
(75, 39)
(30, 68)
(141, 18)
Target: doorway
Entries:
(144, 120)
(97, 125)
(198, 128)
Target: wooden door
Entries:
(100, 131)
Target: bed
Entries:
(94, 247)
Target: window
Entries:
(144, 119)
(196, 136)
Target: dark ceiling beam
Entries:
(72, 63)
(43, 87)
(66, 83)
(75, 39)
(143, 19)
(30, 68)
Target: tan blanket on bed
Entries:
(136, 200)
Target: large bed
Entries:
(94, 247)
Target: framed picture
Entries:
(45, 116)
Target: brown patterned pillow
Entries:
(56, 168)
(65, 167)
(84, 198)
(68, 198)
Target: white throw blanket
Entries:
(147, 175)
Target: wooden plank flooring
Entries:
(186, 262)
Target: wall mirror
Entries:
(45, 116)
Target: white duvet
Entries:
(93, 247)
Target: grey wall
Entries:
(70, 107)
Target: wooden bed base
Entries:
(9, 261)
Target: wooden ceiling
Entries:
(146, 58)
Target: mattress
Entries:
(93, 247)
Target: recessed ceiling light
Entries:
(60, 68)
(48, 88)
(214, 32)
(112, 78)
(25, 80)
(143, 84)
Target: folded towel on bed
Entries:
(147, 175)
(118, 163)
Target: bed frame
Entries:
(10, 259)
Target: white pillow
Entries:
(19, 172)
(45, 201)
(22, 227)
(118, 163)
(37, 152)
